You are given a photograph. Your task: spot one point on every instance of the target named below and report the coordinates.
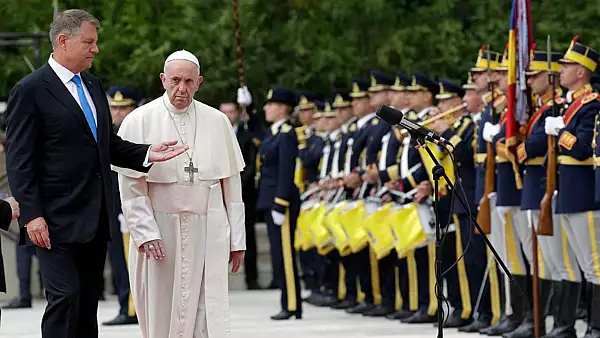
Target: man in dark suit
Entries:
(249, 144)
(9, 210)
(59, 148)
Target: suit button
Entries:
(98, 175)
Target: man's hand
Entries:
(424, 190)
(165, 151)
(154, 248)
(352, 180)
(37, 230)
(371, 176)
(237, 258)
(278, 218)
(14, 205)
(243, 96)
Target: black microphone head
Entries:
(389, 114)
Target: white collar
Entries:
(333, 135)
(570, 96)
(363, 120)
(424, 112)
(172, 109)
(346, 125)
(61, 71)
(275, 126)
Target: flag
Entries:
(520, 43)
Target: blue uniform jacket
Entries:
(461, 136)
(576, 170)
(532, 154)
(507, 192)
(278, 163)
(362, 138)
(310, 154)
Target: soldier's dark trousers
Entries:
(363, 271)
(311, 266)
(387, 273)
(281, 239)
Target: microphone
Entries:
(395, 117)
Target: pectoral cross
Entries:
(191, 170)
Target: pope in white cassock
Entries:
(186, 216)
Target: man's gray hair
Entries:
(69, 22)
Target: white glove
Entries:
(243, 96)
(278, 218)
(489, 131)
(123, 223)
(554, 125)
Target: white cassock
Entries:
(200, 221)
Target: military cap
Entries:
(306, 100)
(581, 54)
(360, 88)
(448, 90)
(380, 81)
(538, 62)
(120, 96)
(328, 110)
(402, 81)
(320, 106)
(470, 85)
(341, 98)
(420, 82)
(481, 65)
(504, 63)
(281, 95)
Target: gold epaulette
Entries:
(285, 128)
(589, 98)
(375, 121)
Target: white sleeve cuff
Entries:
(236, 216)
(146, 162)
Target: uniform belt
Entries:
(480, 158)
(500, 159)
(568, 160)
(535, 161)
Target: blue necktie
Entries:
(87, 110)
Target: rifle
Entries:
(545, 227)
(484, 217)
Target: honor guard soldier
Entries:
(558, 264)
(575, 202)
(342, 104)
(421, 93)
(517, 232)
(488, 62)
(456, 126)
(384, 272)
(310, 147)
(464, 153)
(355, 156)
(279, 197)
(122, 101)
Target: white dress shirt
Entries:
(66, 77)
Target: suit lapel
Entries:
(62, 95)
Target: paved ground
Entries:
(250, 312)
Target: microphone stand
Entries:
(438, 172)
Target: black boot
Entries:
(519, 303)
(567, 299)
(527, 327)
(593, 330)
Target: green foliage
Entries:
(303, 44)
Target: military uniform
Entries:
(364, 262)
(576, 204)
(557, 263)
(278, 195)
(307, 170)
(491, 301)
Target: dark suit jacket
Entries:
(56, 169)
(5, 218)
(249, 144)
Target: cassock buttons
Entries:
(183, 132)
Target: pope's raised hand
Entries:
(165, 151)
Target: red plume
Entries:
(483, 47)
(533, 46)
(575, 38)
